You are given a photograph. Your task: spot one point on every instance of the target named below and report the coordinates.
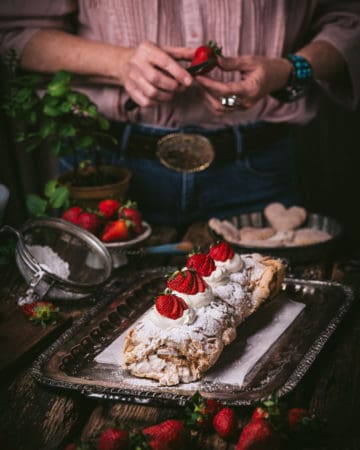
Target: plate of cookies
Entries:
(292, 233)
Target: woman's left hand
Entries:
(259, 77)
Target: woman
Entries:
(139, 50)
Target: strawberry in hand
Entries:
(206, 53)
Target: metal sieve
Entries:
(56, 258)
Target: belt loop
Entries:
(238, 142)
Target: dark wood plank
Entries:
(34, 417)
(20, 339)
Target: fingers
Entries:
(180, 53)
(154, 76)
(228, 64)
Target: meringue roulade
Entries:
(184, 333)
(163, 347)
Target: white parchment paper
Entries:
(254, 338)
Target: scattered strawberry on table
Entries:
(40, 312)
(206, 53)
(113, 439)
(111, 221)
(271, 426)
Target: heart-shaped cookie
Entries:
(285, 219)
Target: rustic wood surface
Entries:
(33, 416)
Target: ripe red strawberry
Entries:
(226, 423)
(170, 305)
(258, 435)
(130, 211)
(205, 53)
(201, 411)
(40, 312)
(221, 251)
(113, 439)
(90, 222)
(296, 416)
(168, 435)
(108, 208)
(259, 413)
(71, 446)
(186, 281)
(202, 263)
(117, 230)
(81, 446)
(72, 214)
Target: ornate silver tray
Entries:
(70, 362)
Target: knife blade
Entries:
(130, 104)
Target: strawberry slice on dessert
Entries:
(221, 251)
(170, 306)
(202, 263)
(225, 257)
(184, 281)
(191, 287)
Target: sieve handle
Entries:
(9, 228)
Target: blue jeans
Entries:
(244, 185)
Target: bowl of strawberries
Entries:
(118, 224)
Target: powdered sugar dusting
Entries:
(50, 261)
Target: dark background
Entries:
(328, 153)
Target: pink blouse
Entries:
(263, 27)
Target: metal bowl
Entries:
(294, 254)
(49, 247)
(118, 250)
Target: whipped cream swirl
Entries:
(235, 264)
(165, 323)
(197, 300)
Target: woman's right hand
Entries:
(151, 75)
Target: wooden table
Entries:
(34, 416)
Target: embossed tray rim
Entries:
(168, 398)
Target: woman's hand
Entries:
(259, 77)
(151, 75)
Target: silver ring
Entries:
(229, 101)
